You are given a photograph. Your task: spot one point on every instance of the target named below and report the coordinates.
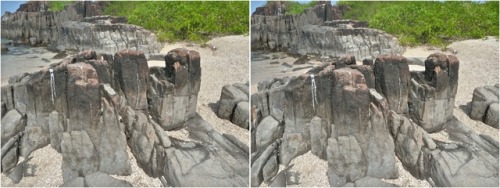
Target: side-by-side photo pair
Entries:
(249, 93)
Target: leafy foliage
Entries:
(297, 8)
(56, 6)
(185, 20)
(430, 22)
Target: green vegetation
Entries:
(56, 6)
(186, 20)
(434, 23)
(297, 8)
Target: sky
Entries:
(10, 6)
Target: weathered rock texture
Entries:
(318, 31)
(484, 105)
(233, 104)
(91, 107)
(359, 118)
(76, 28)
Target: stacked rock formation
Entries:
(233, 104)
(91, 107)
(318, 31)
(359, 118)
(76, 28)
(485, 105)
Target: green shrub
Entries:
(434, 23)
(186, 20)
(297, 8)
(57, 6)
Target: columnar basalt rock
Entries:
(90, 107)
(359, 118)
(318, 31)
(75, 28)
(432, 94)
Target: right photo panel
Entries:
(383, 94)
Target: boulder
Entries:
(267, 132)
(485, 99)
(240, 115)
(230, 96)
(12, 123)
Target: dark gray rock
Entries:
(267, 132)
(392, 79)
(270, 168)
(100, 179)
(319, 137)
(240, 115)
(292, 146)
(256, 176)
(112, 148)
(315, 32)
(79, 156)
(55, 130)
(491, 117)
(194, 165)
(132, 70)
(33, 139)
(279, 180)
(372, 182)
(432, 94)
(463, 167)
(12, 123)
(77, 182)
(141, 142)
(10, 156)
(345, 160)
(230, 96)
(16, 175)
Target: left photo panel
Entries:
(125, 93)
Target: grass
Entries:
(196, 21)
(56, 6)
(431, 22)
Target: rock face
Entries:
(484, 106)
(359, 118)
(233, 104)
(432, 95)
(318, 31)
(90, 107)
(76, 28)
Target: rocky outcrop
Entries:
(75, 28)
(359, 118)
(90, 107)
(317, 31)
(233, 104)
(432, 94)
(484, 105)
